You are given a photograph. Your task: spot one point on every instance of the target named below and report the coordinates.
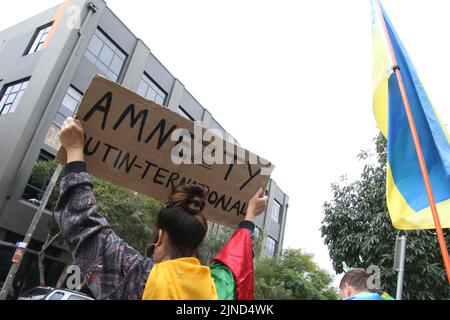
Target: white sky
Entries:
(289, 79)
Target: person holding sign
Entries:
(114, 270)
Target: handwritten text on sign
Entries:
(145, 147)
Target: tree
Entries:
(357, 229)
(214, 240)
(131, 215)
(293, 275)
(39, 180)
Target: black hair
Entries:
(183, 221)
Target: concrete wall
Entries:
(14, 127)
(51, 70)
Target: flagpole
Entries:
(423, 167)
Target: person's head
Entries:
(181, 226)
(353, 282)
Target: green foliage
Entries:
(258, 242)
(357, 229)
(214, 240)
(131, 214)
(293, 275)
(39, 180)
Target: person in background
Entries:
(114, 270)
(354, 286)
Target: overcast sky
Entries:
(290, 80)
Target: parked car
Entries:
(48, 293)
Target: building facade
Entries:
(47, 63)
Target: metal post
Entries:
(20, 250)
(399, 264)
(418, 147)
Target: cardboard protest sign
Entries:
(148, 148)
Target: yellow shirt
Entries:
(180, 279)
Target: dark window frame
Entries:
(97, 57)
(5, 88)
(34, 38)
(43, 156)
(186, 113)
(274, 243)
(60, 105)
(114, 42)
(279, 211)
(145, 74)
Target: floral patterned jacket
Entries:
(111, 268)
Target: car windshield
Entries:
(37, 292)
(76, 297)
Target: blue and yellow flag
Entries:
(405, 190)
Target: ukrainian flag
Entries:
(405, 190)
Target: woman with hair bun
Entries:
(114, 270)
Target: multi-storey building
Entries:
(47, 63)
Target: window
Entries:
(39, 38)
(39, 179)
(276, 210)
(35, 293)
(77, 297)
(70, 103)
(56, 296)
(11, 96)
(257, 232)
(150, 90)
(106, 55)
(184, 113)
(215, 125)
(270, 246)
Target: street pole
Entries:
(399, 264)
(20, 251)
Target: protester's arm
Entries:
(232, 268)
(256, 206)
(111, 268)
